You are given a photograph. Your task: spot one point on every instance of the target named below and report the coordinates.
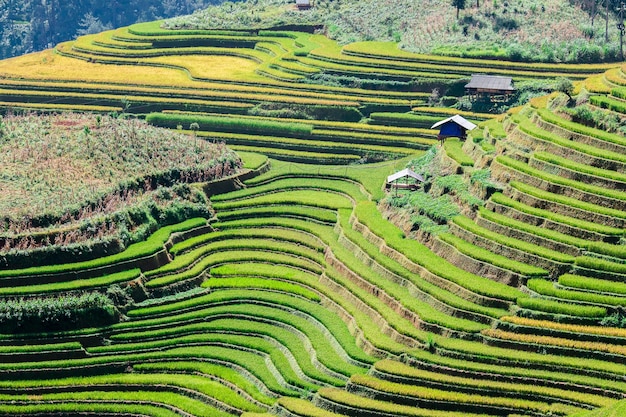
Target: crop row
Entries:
(421, 255)
(551, 117)
(138, 387)
(454, 149)
(424, 311)
(137, 250)
(389, 50)
(601, 331)
(552, 215)
(314, 144)
(400, 372)
(332, 54)
(340, 186)
(527, 247)
(534, 131)
(305, 157)
(453, 399)
(547, 288)
(287, 235)
(305, 94)
(566, 201)
(583, 168)
(549, 341)
(249, 333)
(556, 179)
(563, 308)
(444, 296)
(263, 304)
(485, 255)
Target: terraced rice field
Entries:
(300, 297)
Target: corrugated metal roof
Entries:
(405, 173)
(491, 82)
(303, 2)
(459, 120)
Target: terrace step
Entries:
(479, 383)
(441, 400)
(564, 209)
(413, 289)
(523, 235)
(577, 175)
(392, 303)
(578, 137)
(424, 273)
(475, 266)
(529, 141)
(504, 174)
(539, 221)
(555, 268)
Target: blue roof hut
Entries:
(455, 126)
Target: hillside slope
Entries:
(308, 293)
(528, 30)
(27, 26)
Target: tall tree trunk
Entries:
(606, 26)
(593, 13)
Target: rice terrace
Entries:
(319, 209)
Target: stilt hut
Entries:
(496, 87)
(405, 180)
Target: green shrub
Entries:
(56, 313)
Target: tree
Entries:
(592, 7)
(90, 24)
(459, 4)
(564, 85)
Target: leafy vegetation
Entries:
(551, 31)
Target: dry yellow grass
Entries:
(594, 84)
(601, 330)
(556, 341)
(615, 76)
(48, 65)
(213, 67)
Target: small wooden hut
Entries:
(412, 181)
(455, 126)
(303, 4)
(494, 86)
